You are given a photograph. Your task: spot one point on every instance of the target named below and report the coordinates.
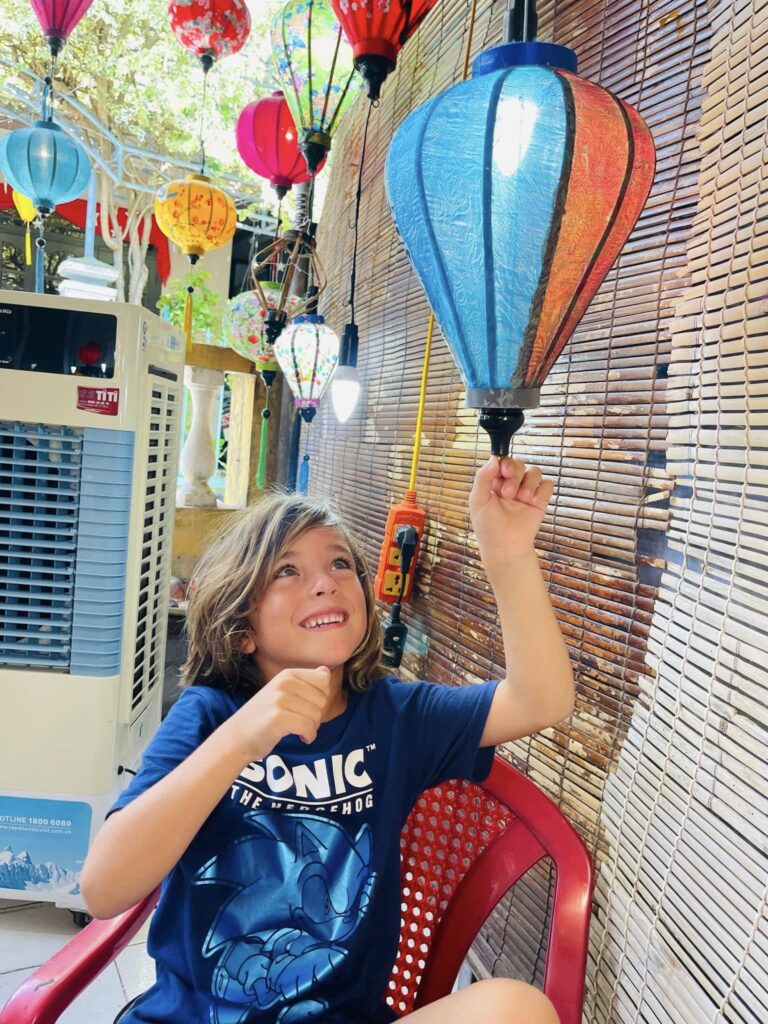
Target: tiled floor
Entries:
(32, 932)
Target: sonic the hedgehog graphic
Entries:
(292, 868)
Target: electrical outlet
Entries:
(388, 574)
(391, 584)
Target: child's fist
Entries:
(506, 505)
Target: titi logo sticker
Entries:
(102, 400)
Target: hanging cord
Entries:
(353, 275)
(273, 268)
(431, 322)
(202, 121)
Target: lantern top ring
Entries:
(512, 55)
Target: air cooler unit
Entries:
(90, 399)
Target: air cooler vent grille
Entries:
(159, 499)
(40, 469)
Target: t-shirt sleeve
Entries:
(444, 728)
(190, 721)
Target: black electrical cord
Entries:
(395, 631)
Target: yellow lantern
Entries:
(27, 211)
(198, 217)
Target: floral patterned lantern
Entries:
(210, 29)
(244, 333)
(307, 351)
(198, 217)
(314, 65)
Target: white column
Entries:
(198, 460)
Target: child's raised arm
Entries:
(139, 844)
(507, 505)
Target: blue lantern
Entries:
(44, 164)
(47, 166)
(528, 180)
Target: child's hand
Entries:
(507, 505)
(292, 702)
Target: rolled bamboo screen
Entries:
(655, 546)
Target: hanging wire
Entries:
(353, 274)
(431, 322)
(202, 122)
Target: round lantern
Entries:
(198, 217)
(268, 142)
(548, 175)
(377, 32)
(195, 215)
(58, 18)
(48, 167)
(315, 67)
(307, 351)
(244, 332)
(210, 29)
(44, 164)
(28, 212)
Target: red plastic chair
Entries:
(463, 847)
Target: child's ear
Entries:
(248, 644)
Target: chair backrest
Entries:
(463, 847)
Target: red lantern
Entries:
(89, 354)
(210, 29)
(377, 31)
(58, 18)
(268, 143)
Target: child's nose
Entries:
(324, 584)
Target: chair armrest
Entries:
(49, 990)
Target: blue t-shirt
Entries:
(285, 907)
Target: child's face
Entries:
(313, 610)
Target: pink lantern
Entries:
(58, 18)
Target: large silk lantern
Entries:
(58, 18)
(199, 218)
(377, 30)
(210, 29)
(48, 167)
(307, 351)
(314, 66)
(268, 142)
(244, 332)
(529, 179)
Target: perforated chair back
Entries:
(462, 848)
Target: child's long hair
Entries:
(229, 583)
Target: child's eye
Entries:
(285, 570)
(342, 563)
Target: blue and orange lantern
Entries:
(528, 180)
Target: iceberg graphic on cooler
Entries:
(19, 871)
(308, 885)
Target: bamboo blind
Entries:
(660, 636)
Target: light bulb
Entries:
(345, 391)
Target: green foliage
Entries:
(124, 64)
(206, 305)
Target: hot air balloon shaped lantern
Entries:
(244, 332)
(307, 352)
(199, 218)
(377, 31)
(314, 66)
(548, 174)
(281, 258)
